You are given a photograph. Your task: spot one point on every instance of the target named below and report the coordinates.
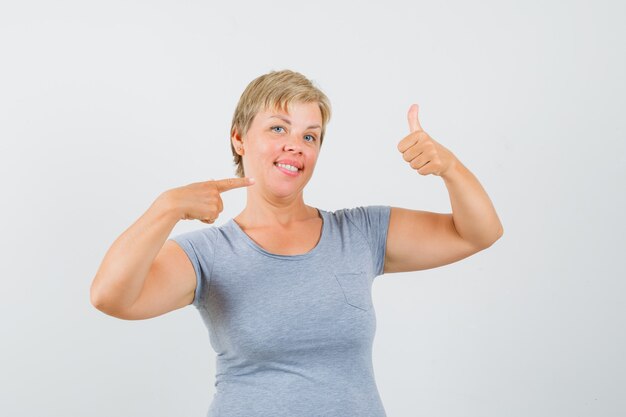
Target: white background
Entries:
(104, 105)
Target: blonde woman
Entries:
(285, 288)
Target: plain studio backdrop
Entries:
(105, 105)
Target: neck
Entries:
(264, 211)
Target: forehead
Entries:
(307, 112)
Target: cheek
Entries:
(311, 160)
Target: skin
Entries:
(144, 274)
(276, 199)
(418, 239)
(276, 216)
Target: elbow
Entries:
(111, 310)
(98, 294)
(99, 302)
(489, 241)
(498, 234)
(94, 298)
(496, 237)
(106, 305)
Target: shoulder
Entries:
(362, 214)
(366, 219)
(198, 237)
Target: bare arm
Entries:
(474, 217)
(121, 276)
(419, 240)
(142, 275)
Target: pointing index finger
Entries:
(230, 183)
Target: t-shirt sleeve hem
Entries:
(190, 250)
(386, 217)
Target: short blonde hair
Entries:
(275, 90)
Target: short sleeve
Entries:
(373, 222)
(199, 245)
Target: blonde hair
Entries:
(275, 90)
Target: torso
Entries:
(295, 240)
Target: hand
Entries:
(421, 151)
(202, 200)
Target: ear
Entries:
(237, 142)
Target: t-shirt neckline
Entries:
(255, 246)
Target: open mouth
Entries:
(287, 169)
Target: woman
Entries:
(285, 288)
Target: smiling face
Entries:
(277, 143)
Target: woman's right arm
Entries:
(142, 275)
(128, 262)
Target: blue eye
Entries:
(313, 138)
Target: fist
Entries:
(422, 152)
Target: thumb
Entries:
(414, 122)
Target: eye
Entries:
(312, 138)
(277, 127)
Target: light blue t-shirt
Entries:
(293, 334)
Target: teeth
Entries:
(288, 167)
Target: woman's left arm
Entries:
(419, 239)
(475, 219)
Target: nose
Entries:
(292, 144)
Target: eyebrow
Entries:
(289, 123)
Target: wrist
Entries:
(165, 205)
(453, 171)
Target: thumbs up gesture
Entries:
(421, 151)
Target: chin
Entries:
(286, 189)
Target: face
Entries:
(277, 143)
